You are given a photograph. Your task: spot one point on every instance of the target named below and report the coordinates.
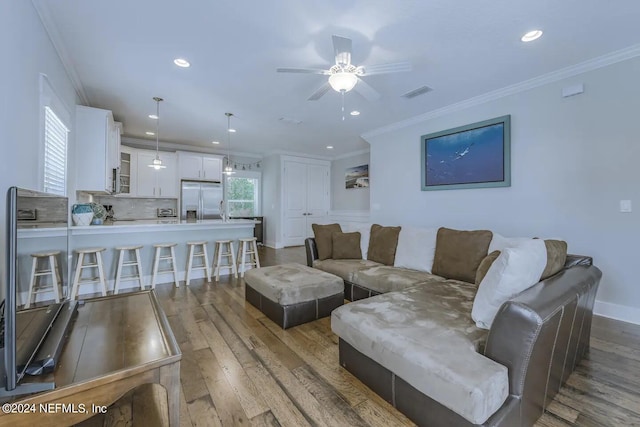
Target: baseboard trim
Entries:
(624, 313)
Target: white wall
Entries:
(271, 203)
(573, 159)
(28, 52)
(342, 199)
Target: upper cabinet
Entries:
(98, 150)
(199, 167)
(156, 182)
(128, 171)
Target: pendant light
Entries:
(228, 170)
(157, 163)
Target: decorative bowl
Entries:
(82, 218)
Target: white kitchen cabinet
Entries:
(305, 186)
(97, 150)
(156, 183)
(128, 171)
(199, 167)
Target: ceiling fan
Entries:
(344, 76)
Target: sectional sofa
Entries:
(416, 333)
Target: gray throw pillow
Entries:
(346, 246)
(459, 253)
(324, 240)
(383, 243)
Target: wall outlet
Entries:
(625, 205)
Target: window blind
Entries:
(55, 153)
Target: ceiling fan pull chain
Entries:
(342, 92)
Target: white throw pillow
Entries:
(416, 248)
(517, 268)
(365, 233)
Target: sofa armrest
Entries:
(312, 250)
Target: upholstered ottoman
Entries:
(293, 294)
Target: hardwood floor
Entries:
(239, 368)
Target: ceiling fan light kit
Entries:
(343, 81)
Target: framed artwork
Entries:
(471, 156)
(357, 177)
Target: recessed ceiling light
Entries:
(180, 62)
(153, 116)
(329, 147)
(215, 142)
(150, 133)
(531, 36)
(355, 113)
(232, 130)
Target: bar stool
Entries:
(170, 258)
(192, 246)
(134, 261)
(246, 247)
(50, 268)
(84, 254)
(224, 249)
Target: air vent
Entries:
(416, 92)
(290, 121)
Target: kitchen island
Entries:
(135, 232)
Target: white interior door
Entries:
(295, 203)
(317, 196)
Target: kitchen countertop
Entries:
(143, 226)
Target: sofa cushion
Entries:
(484, 266)
(346, 246)
(556, 257)
(425, 336)
(344, 268)
(416, 248)
(324, 238)
(516, 269)
(459, 253)
(382, 244)
(387, 279)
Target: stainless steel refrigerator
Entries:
(200, 200)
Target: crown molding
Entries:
(172, 146)
(552, 77)
(352, 153)
(296, 154)
(50, 27)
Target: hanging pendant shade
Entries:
(157, 162)
(228, 170)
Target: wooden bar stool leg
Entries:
(54, 277)
(234, 268)
(219, 261)
(101, 276)
(207, 268)
(76, 278)
(139, 268)
(255, 253)
(244, 256)
(190, 251)
(58, 275)
(156, 261)
(116, 288)
(173, 265)
(32, 282)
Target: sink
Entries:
(121, 220)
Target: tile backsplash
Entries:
(48, 209)
(135, 208)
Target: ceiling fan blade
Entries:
(369, 70)
(342, 50)
(303, 70)
(319, 92)
(369, 93)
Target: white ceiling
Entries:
(122, 53)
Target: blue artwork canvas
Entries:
(471, 156)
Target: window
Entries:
(243, 193)
(55, 153)
(54, 133)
